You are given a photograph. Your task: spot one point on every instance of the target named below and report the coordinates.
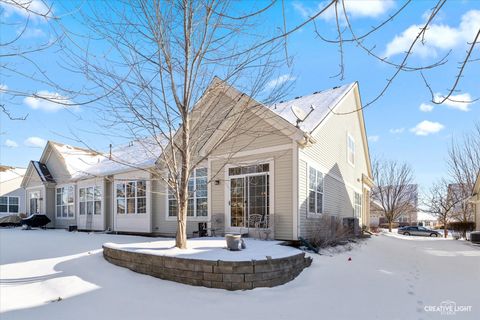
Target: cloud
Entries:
(438, 37)
(373, 138)
(426, 127)
(275, 83)
(397, 130)
(460, 102)
(355, 9)
(35, 142)
(10, 143)
(33, 33)
(53, 103)
(37, 10)
(424, 107)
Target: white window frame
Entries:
(317, 171)
(8, 204)
(192, 196)
(350, 149)
(125, 198)
(357, 204)
(86, 200)
(67, 205)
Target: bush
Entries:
(331, 232)
(462, 226)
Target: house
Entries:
(290, 164)
(12, 196)
(407, 218)
(475, 200)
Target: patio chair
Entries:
(254, 221)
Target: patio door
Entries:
(34, 203)
(249, 195)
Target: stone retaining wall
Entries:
(230, 275)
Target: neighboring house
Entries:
(408, 218)
(475, 199)
(292, 171)
(12, 195)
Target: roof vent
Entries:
(336, 87)
(297, 98)
(317, 92)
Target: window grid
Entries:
(131, 197)
(9, 204)
(197, 196)
(350, 150)
(357, 205)
(315, 191)
(90, 200)
(65, 202)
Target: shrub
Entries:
(331, 232)
(462, 226)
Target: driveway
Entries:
(55, 274)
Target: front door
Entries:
(249, 199)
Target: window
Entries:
(257, 168)
(131, 197)
(90, 200)
(9, 204)
(357, 208)
(350, 150)
(197, 196)
(65, 202)
(315, 191)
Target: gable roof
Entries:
(322, 102)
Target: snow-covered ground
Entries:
(387, 278)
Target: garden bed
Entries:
(208, 263)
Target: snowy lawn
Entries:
(210, 249)
(387, 278)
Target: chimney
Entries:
(110, 156)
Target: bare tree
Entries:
(464, 164)
(16, 47)
(156, 83)
(393, 192)
(440, 203)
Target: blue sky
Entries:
(402, 125)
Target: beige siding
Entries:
(56, 166)
(140, 223)
(162, 224)
(12, 188)
(329, 155)
(108, 200)
(254, 133)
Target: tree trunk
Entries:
(181, 238)
(390, 223)
(445, 231)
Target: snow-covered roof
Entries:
(9, 173)
(322, 102)
(83, 163)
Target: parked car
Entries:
(418, 231)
